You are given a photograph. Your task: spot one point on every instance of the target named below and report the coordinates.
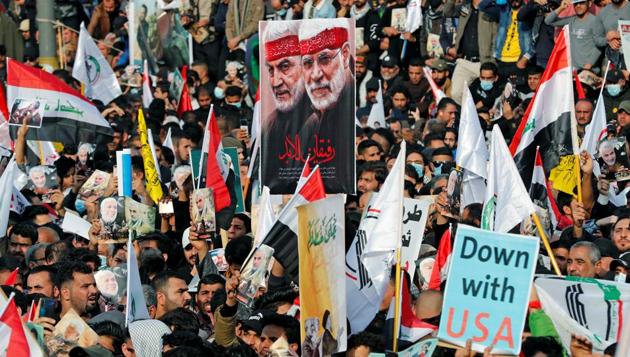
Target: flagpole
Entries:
(578, 177)
(397, 302)
(192, 172)
(543, 236)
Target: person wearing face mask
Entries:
(615, 92)
(232, 107)
(487, 88)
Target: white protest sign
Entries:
(487, 289)
(624, 32)
(415, 214)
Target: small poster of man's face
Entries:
(84, 152)
(399, 19)
(202, 210)
(106, 283)
(218, 258)
(42, 179)
(95, 185)
(254, 274)
(29, 111)
(112, 219)
(140, 217)
(613, 160)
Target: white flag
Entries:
(266, 216)
(168, 141)
(6, 190)
(18, 201)
(92, 69)
(594, 309)
(414, 15)
(506, 202)
(147, 93)
(377, 113)
(595, 131)
(383, 225)
(136, 304)
(472, 152)
(154, 153)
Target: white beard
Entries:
(335, 85)
(296, 95)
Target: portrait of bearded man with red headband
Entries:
(307, 96)
(283, 65)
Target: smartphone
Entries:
(48, 308)
(244, 126)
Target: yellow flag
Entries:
(150, 173)
(563, 175)
(322, 276)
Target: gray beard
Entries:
(336, 86)
(296, 95)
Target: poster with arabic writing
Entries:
(307, 89)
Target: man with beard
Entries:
(282, 128)
(77, 289)
(209, 286)
(329, 82)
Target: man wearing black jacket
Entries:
(368, 24)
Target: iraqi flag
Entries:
(442, 261)
(213, 165)
(283, 235)
(549, 121)
(541, 194)
(15, 341)
(68, 117)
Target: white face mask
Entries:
(620, 278)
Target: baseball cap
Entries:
(255, 321)
(623, 261)
(372, 84)
(389, 61)
(25, 25)
(577, 1)
(625, 106)
(439, 65)
(185, 238)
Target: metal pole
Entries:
(47, 42)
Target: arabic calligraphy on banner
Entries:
(305, 117)
(322, 152)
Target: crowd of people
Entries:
(497, 49)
